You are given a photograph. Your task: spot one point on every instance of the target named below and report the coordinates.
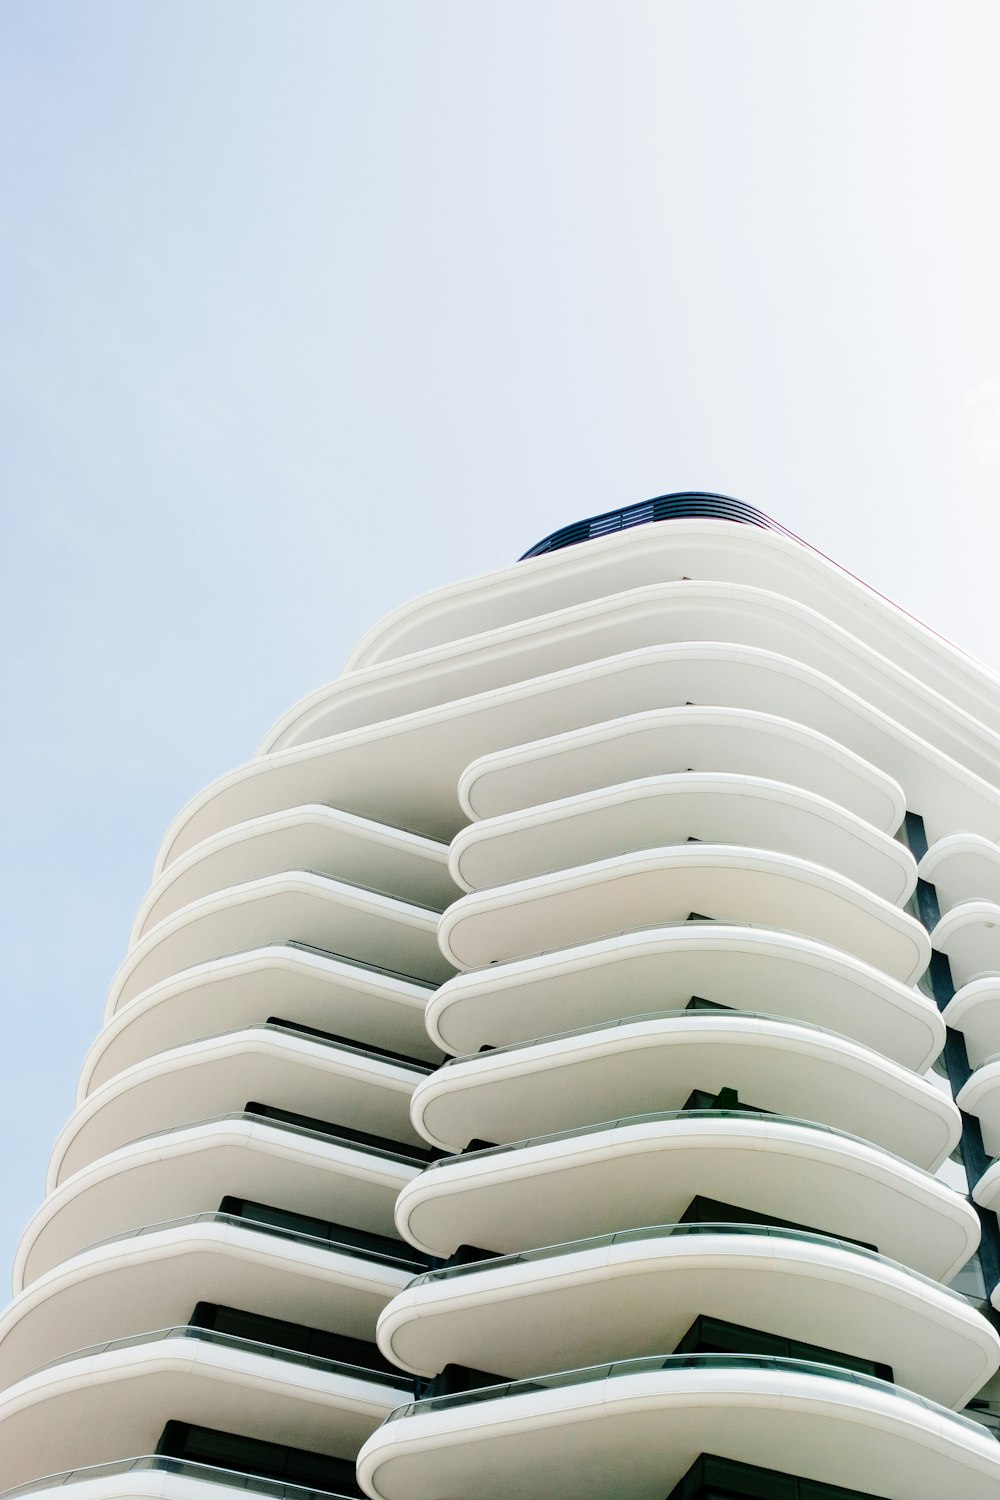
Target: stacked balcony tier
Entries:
(197, 1298)
(520, 1079)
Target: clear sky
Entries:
(306, 308)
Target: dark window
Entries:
(711, 1478)
(245, 1455)
(350, 1043)
(294, 1336)
(711, 1211)
(455, 1379)
(339, 1132)
(714, 1336)
(724, 1099)
(465, 1255)
(340, 1236)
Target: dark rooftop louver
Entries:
(686, 504)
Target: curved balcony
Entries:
(970, 935)
(653, 1062)
(653, 615)
(734, 965)
(668, 740)
(639, 1292)
(987, 1190)
(980, 1096)
(706, 807)
(157, 1275)
(217, 1075)
(962, 867)
(406, 771)
(738, 966)
(324, 913)
(317, 838)
(974, 1009)
(327, 991)
(642, 1170)
(190, 1375)
(684, 549)
(723, 882)
(635, 1427)
(191, 1169)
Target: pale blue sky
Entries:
(309, 307)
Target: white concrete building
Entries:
(563, 1064)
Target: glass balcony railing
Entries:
(358, 963)
(358, 885)
(985, 1414)
(416, 1158)
(672, 1231)
(234, 1341)
(256, 1484)
(722, 1013)
(334, 1043)
(670, 1363)
(745, 1116)
(404, 1261)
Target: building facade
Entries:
(564, 1063)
